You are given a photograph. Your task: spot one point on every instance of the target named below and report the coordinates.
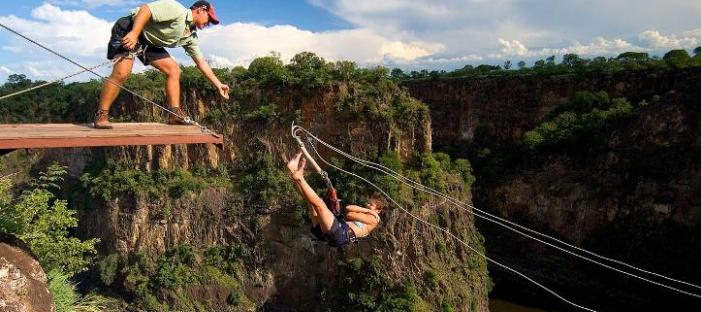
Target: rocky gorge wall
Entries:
(509, 105)
(635, 198)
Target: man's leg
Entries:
(169, 67)
(110, 90)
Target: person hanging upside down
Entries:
(152, 28)
(359, 221)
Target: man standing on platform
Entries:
(152, 28)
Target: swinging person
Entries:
(359, 221)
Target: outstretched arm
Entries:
(209, 74)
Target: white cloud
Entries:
(76, 33)
(6, 71)
(513, 47)
(451, 60)
(497, 28)
(656, 40)
(598, 47)
(239, 43)
(13, 49)
(219, 61)
(96, 3)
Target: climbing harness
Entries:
(491, 218)
(186, 119)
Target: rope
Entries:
(115, 61)
(186, 119)
(4, 97)
(455, 237)
(418, 186)
(318, 169)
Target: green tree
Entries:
(539, 64)
(309, 69)
(397, 74)
(550, 60)
(677, 58)
(572, 60)
(268, 70)
(485, 69)
(345, 71)
(697, 52)
(43, 222)
(521, 64)
(633, 57)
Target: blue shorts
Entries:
(341, 234)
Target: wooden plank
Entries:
(83, 135)
(94, 133)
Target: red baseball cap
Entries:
(213, 19)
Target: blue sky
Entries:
(411, 34)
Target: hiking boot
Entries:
(102, 120)
(178, 117)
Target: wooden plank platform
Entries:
(16, 136)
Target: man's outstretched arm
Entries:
(209, 74)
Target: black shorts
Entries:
(120, 29)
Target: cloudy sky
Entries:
(411, 34)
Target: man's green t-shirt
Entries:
(171, 26)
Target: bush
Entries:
(310, 70)
(107, 269)
(677, 58)
(587, 116)
(110, 180)
(431, 279)
(262, 181)
(43, 222)
(268, 70)
(64, 294)
(152, 282)
(263, 113)
(362, 286)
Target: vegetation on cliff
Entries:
(34, 214)
(570, 63)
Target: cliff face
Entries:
(510, 105)
(286, 269)
(635, 198)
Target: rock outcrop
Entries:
(23, 283)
